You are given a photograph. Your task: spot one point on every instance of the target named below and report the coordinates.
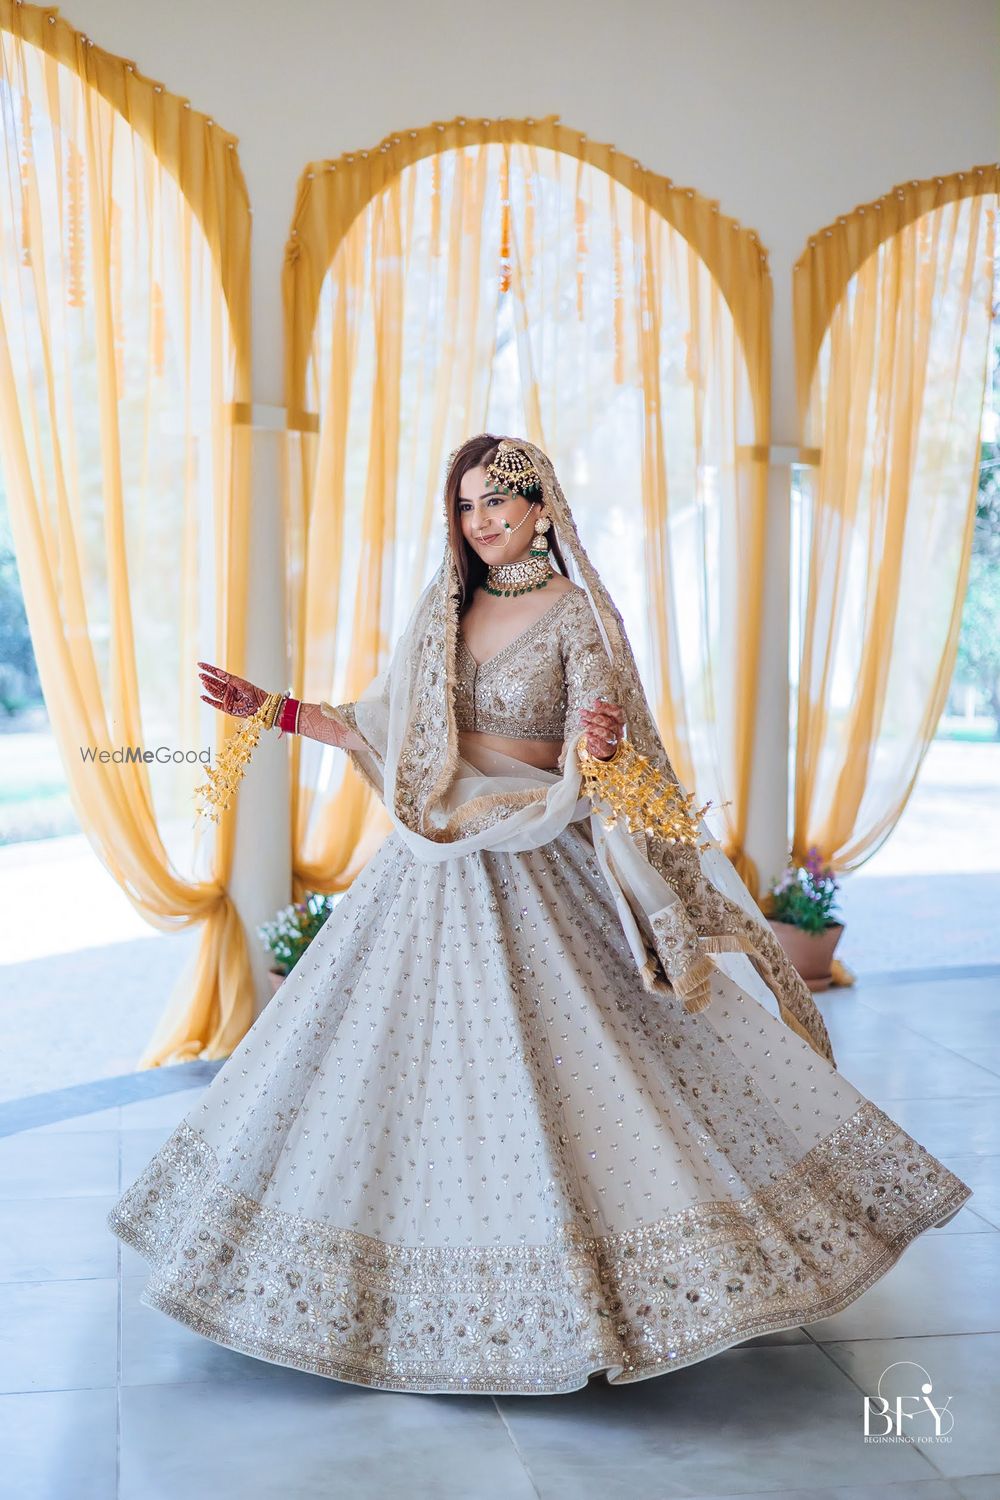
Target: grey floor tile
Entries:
(58, 1166)
(952, 989)
(970, 1126)
(941, 1284)
(930, 1072)
(133, 1264)
(97, 1119)
(137, 1148)
(164, 1110)
(746, 1421)
(984, 1057)
(978, 1487)
(159, 1350)
(964, 1375)
(959, 1014)
(919, 1489)
(58, 1335)
(856, 1027)
(59, 1445)
(982, 1173)
(966, 1221)
(314, 1439)
(96, 1007)
(56, 1239)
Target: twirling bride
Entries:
(544, 1097)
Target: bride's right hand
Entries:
(230, 694)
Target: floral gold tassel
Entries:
(225, 776)
(636, 791)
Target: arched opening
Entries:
(513, 279)
(892, 532)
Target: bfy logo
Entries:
(904, 1398)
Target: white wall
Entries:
(789, 112)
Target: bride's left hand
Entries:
(602, 722)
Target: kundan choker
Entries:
(519, 577)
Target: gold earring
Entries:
(539, 542)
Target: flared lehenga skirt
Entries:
(462, 1149)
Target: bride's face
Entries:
(482, 511)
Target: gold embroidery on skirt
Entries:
(531, 1318)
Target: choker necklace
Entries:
(519, 577)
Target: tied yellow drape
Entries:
(424, 301)
(893, 307)
(124, 358)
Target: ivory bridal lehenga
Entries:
(543, 1098)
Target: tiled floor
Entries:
(106, 1398)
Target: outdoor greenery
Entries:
(19, 683)
(978, 660)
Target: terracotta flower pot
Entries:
(810, 952)
(275, 976)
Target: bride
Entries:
(544, 1098)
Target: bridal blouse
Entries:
(534, 687)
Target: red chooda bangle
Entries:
(289, 721)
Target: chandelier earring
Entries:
(539, 542)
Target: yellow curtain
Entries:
(893, 307)
(124, 370)
(397, 367)
(513, 275)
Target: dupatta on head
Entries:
(685, 910)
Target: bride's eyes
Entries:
(493, 500)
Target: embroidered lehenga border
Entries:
(531, 1319)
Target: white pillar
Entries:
(768, 818)
(261, 879)
(769, 815)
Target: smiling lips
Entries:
(493, 537)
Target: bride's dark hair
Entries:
(477, 450)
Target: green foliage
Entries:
(19, 683)
(978, 658)
(288, 936)
(805, 895)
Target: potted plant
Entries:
(800, 910)
(293, 928)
